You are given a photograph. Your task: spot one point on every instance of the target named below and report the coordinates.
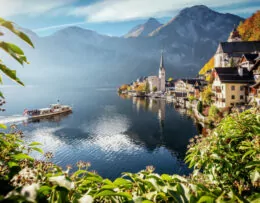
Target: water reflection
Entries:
(115, 134)
(173, 130)
(55, 118)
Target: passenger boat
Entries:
(54, 109)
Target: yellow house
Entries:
(230, 86)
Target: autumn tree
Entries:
(250, 28)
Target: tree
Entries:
(200, 107)
(170, 79)
(250, 29)
(213, 111)
(206, 95)
(147, 87)
(154, 88)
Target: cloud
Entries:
(30, 7)
(122, 10)
(53, 27)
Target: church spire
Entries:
(162, 62)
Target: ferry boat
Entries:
(54, 109)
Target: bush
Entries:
(213, 111)
(230, 156)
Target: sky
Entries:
(109, 17)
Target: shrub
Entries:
(230, 156)
(213, 111)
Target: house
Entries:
(248, 61)
(229, 53)
(254, 94)
(170, 86)
(158, 81)
(230, 86)
(256, 69)
(189, 87)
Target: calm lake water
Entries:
(114, 133)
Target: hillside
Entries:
(250, 28)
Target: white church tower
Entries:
(162, 75)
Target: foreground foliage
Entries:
(226, 168)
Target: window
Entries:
(233, 87)
(233, 97)
(241, 97)
(241, 88)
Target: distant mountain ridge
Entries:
(188, 41)
(145, 29)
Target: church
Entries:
(229, 53)
(158, 82)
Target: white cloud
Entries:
(121, 10)
(30, 7)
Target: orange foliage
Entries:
(250, 29)
(124, 87)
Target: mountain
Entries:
(85, 56)
(144, 30)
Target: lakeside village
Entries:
(232, 84)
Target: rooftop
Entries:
(239, 47)
(231, 75)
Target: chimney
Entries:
(240, 71)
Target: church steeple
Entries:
(162, 62)
(234, 36)
(162, 75)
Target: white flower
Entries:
(62, 181)
(86, 199)
(30, 191)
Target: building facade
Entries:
(230, 86)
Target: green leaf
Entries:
(21, 35)
(14, 51)
(111, 193)
(206, 199)
(38, 150)
(45, 190)
(1, 94)
(3, 126)
(34, 144)
(12, 164)
(22, 156)
(10, 73)
(121, 182)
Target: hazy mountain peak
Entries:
(144, 29)
(197, 21)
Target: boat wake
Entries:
(12, 119)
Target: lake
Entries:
(114, 133)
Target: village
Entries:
(233, 82)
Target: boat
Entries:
(54, 109)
